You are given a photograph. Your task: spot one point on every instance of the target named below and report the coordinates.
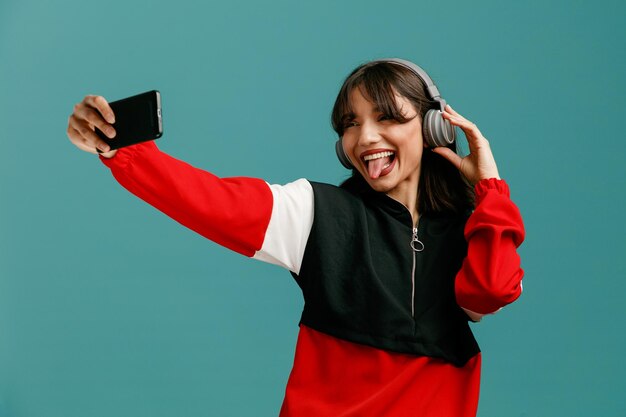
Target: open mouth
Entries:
(379, 164)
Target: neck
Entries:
(406, 193)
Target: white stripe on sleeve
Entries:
(289, 226)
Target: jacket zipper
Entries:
(417, 246)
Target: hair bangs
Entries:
(379, 85)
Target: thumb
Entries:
(448, 154)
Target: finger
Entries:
(450, 110)
(454, 113)
(79, 141)
(100, 103)
(91, 139)
(103, 147)
(448, 154)
(72, 133)
(95, 119)
(470, 129)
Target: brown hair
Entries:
(442, 188)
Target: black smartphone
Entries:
(137, 119)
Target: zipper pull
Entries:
(416, 244)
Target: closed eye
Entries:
(383, 117)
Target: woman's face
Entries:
(386, 152)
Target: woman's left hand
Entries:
(479, 164)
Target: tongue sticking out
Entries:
(374, 167)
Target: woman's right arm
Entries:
(247, 215)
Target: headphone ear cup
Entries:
(437, 130)
(341, 154)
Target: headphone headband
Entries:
(431, 88)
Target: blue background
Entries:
(109, 308)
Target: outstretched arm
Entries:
(233, 212)
(247, 215)
(268, 222)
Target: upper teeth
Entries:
(377, 155)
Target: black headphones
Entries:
(436, 130)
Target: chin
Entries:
(382, 185)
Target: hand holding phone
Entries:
(125, 122)
(137, 119)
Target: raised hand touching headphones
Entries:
(480, 163)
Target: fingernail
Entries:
(105, 148)
(111, 133)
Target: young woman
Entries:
(392, 264)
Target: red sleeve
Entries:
(233, 212)
(490, 276)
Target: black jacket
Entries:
(358, 282)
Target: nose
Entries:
(368, 134)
